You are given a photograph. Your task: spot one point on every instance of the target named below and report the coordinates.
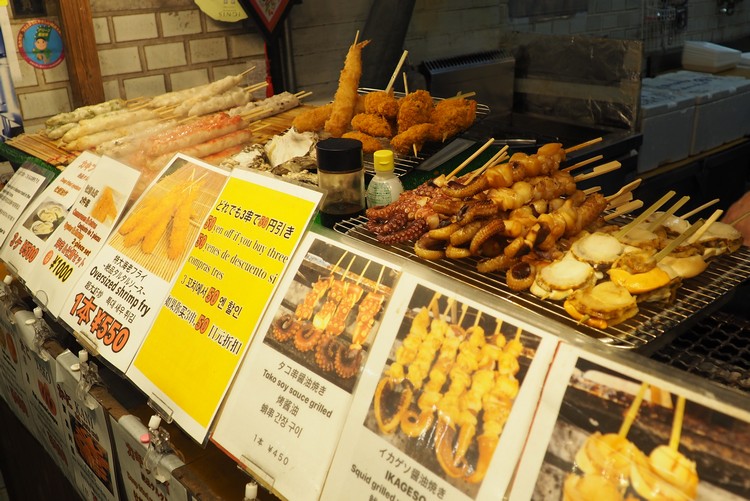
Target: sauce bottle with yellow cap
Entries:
(385, 186)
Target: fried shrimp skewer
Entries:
(181, 222)
(345, 99)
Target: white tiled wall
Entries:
(146, 47)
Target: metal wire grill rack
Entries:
(696, 297)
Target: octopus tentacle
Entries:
(347, 361)
(307, 337)
(284, 328)
(394, 222)
(325, 353)
(412, 231)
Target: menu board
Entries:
(83, 231)
(212, 311)
(295, 386)
(18, 192)
(608, 431)
(40, 373)
(87, 435)
(21, 250)
(140, 483)
(112, 306)
(447, 408)
(15, 357)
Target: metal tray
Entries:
(653, 326)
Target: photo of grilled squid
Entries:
(449, 388)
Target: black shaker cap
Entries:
(339, 154)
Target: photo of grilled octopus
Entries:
(331, 311)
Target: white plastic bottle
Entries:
(385, 187)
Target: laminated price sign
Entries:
(445, 413)
(32, 230)
(201, 333)
(18, 192)
(112, 306)
(82, 234)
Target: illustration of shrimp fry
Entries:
(181, 223)
(148, 219)
(105, 207)
(345, 98)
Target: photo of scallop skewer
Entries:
(605, 460)
(667, 474)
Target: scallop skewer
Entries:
(606, 460)
(667, 474)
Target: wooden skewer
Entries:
(711, 220)
(498, 158)
(663, 217)
(743, 216)
(622, 199)
(362, 273)
(303, 94)
(406, 85)
(598, 171)
(690, 232)
(699, 208)
(251, 68)
(625, 189)
(679, 415)
(583, 145)
(396, 71)
(254, 87)
(460, 95)
(582, 163)
(470, 159)
(356, 38)
(592, 190)
(625, 229)
(632, 411)
(624, 209)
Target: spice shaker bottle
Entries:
(341, 174)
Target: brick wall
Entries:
(146, 47)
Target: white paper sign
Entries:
(21, 249)
(285, 411)
(87, 435)
(28, 180)
(118, 296)
(613, 430)
(445, 412)
(83, 232)
(141, 484)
